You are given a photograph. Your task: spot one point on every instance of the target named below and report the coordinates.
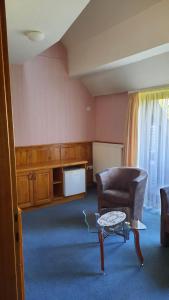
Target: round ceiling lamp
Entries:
(35, 35)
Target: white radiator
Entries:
(106, 155)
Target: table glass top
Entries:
(106, 218)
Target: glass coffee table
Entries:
(112, 222)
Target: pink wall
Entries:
(111, 113)
(48, 106)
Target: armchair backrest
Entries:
(118, 178)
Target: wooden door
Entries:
(25, 189)
(11, 280)
(42, 186)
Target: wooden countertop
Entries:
(51, 165)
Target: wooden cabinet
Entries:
(24, 189)
(40, 172)
(33, 187)
(42, 188)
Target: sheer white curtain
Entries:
(153, 143)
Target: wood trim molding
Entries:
(107, 142)
(10, 272)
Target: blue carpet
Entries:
(62, 260)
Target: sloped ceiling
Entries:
(117, 45)
(148, 73)
(100, 15)
(53, 17)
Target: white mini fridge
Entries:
(74, 181)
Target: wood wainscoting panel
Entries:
(69, 152)
(30, 155)
(39, 155)
(22, 156)
(85, 152)
(54, 152)
(77, 151)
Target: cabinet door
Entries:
(24, 189)
(42, 186)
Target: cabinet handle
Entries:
(30, 176)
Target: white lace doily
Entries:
(111, 218)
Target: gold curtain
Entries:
(131, 143)
(152, 95)
(130, 157)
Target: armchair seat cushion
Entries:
(115, 198)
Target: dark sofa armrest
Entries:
(164, 236)
(164, 192)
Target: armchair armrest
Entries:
(139, 178)
(137, 191)
(103, 180)
(138, 183)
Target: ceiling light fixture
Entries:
(35, 36)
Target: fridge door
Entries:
(74, 182)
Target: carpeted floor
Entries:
(62, 259)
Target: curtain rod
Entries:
(161, 87)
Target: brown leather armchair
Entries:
(164, 192)
(122, 187)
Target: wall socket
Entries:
(90, 167)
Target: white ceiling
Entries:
(53, 17)
(113, 45)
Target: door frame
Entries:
(11, 283)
